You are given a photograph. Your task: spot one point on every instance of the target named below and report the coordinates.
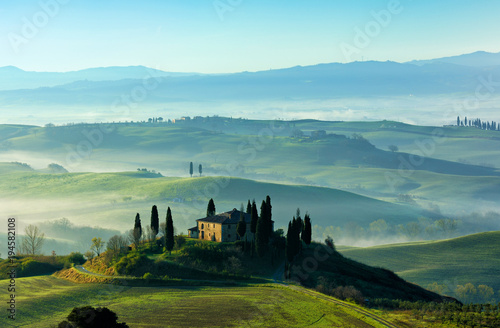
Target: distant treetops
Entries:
(191, 169)
(484, 125)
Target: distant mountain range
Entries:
(475, 59)
(12, 78)
(94, 86)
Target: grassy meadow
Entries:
(47, 300)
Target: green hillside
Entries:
(43, 301)
(373, 282)
(112, 199)
(263, 150)
(471, 259)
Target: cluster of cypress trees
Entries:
(484, 125)
(264, 228)
(155, 228)
(298, 230)
(261, 226)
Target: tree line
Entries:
(468, 315)
(484, 125)
(299, 232)
(137, 233)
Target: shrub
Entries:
(134, 264)
(179, 241)
(88, 316)
(76, 258)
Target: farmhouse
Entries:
(220, 227)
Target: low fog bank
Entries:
(379, 232)
(412, 109)
(64, 237)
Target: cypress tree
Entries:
(211, 208)
(260, 237)
(265, 221)
(255, 218)
(137, 233)
(200, 169)
(241, 228)
(191, 169)
(155, 221)
(169, 238)
(137, 225)
(249, 207)
(269, 215)
(289, 248)
(307, 233)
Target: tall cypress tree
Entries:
(289, 242)
(191, 169)
(249, 207)
(155, 221)
(169, 238)
(269, 215)
(137, 233)
(254, 219)
(211, 208)
(307, 232)
(265, 220)
(241, 228)
(260, 237)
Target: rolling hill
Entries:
(234, 147)
(116, 197)
(470, 259)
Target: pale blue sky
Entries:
(192, 36)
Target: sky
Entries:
(223, 36)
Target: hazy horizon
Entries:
(217, 36)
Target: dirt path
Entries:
(344, 304)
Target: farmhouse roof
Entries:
(231, 217)
(193, 229)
